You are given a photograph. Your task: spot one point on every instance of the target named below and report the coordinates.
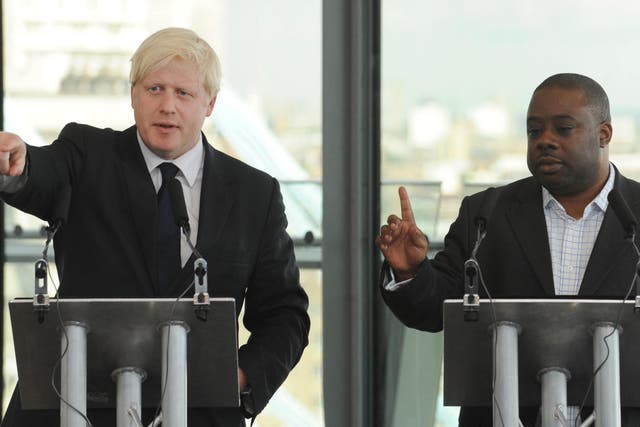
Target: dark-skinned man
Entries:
(554, 231)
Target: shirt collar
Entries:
(189, 163)
(600, 200)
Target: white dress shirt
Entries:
(571, 242)
(190, 166)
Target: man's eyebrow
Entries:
(564, 116)
(556, 117)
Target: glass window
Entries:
(456, 82)
(69, 61)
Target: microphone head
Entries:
(177, 203)
(60, 210)
(486, 207)
(480, 222)
(623, 212)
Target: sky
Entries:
(461, 52)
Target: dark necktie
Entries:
(169, 263)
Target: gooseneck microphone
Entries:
(623, 213)
(201, 301)
(471, 298)
(178, 207)
(60, 211)
(59, 214)
(629, 224)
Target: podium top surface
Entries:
(125, 333)
(554, 333)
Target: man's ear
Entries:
(210, 106)
(131, 97)
(606, 131)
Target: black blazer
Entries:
(107, 247)
(515, 260)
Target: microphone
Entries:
(472, 275)
(178, 206)
(629, 223)
(59, 215)
(61, 208)
(623, 213)
(201, 301)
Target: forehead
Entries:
(556, 101)
(178, 72)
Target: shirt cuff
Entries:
(13, 184)
(391, 284)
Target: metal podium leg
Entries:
(607, 382)
(174, 373)
(554, 395)
(505, 399)
(129, 388)
(73, 375)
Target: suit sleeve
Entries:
(49, 169)
(275, 309)
(418, 304)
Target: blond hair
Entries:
(163, 46)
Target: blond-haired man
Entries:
(113, 235)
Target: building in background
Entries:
(69, 61)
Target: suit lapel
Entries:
(216, 199)
(610, 247)
(529, 226)
(141, 195)
(527, 221)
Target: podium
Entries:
(127, 354)
(545, 355)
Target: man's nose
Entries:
(547, 139)
(168, 103)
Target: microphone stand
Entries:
(636, 279)
(636, 274)
(41, 296)
(629, 223)
(631, 237)
(471, 298)
(41, 302)
(201, 302)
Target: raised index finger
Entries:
(405, 206)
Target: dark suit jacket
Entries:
(515, 261)
(107, 247)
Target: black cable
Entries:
(56, 366)
(604, 339)
(166, 370)
(495, 339)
